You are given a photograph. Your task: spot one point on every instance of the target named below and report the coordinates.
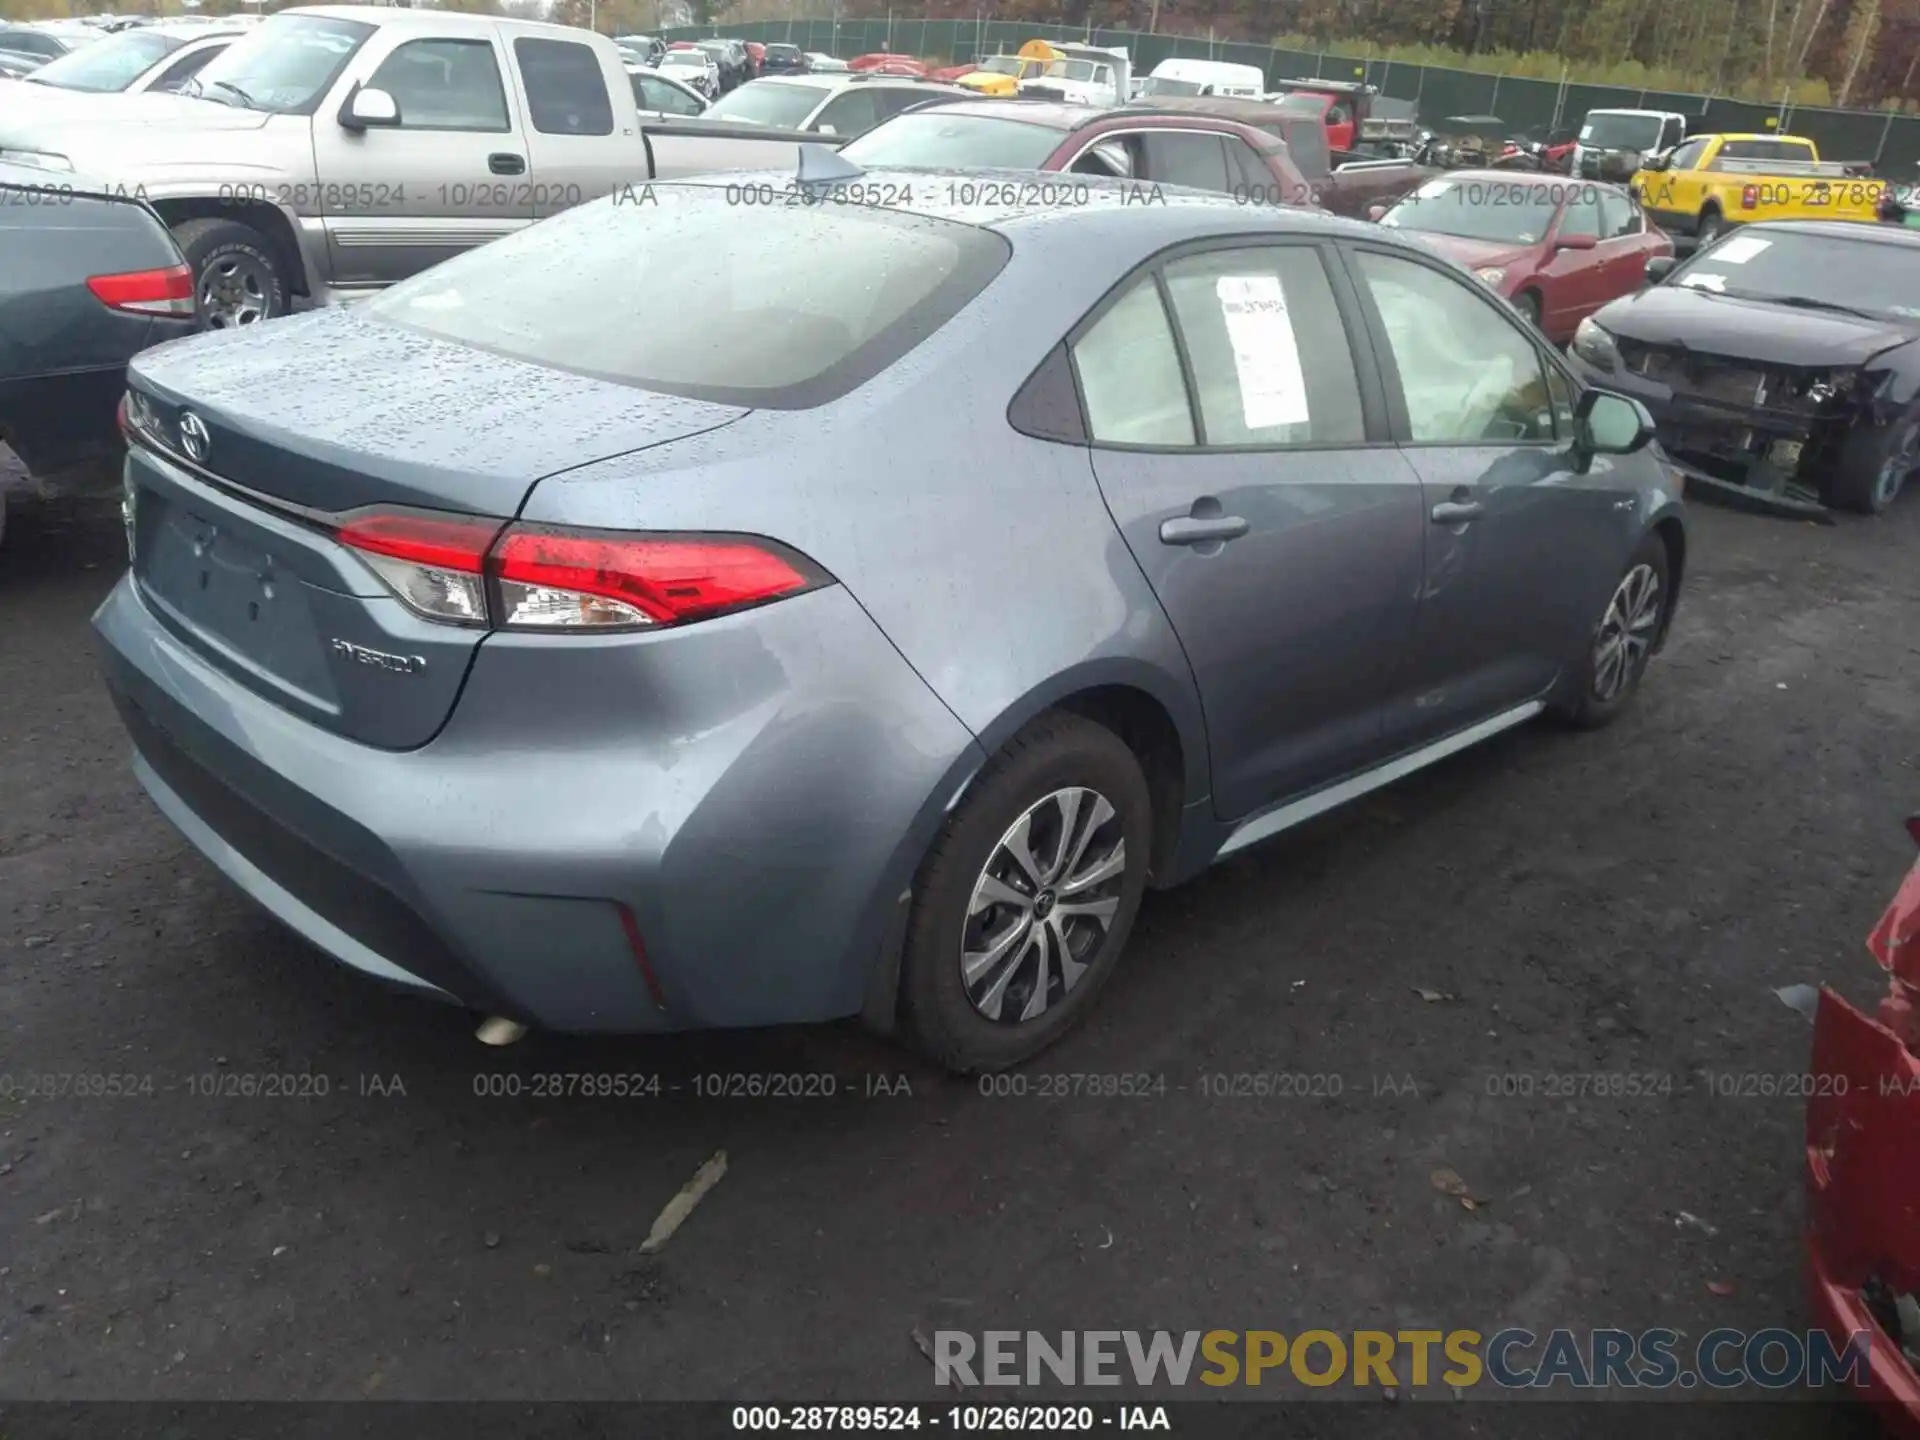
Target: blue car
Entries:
(868, 637)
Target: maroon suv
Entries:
(1155, 147)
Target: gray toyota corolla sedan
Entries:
(865, 638)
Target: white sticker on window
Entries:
(1740, 249)
(1433, 189)
(1266, 356)
(1715, 283)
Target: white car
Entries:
(836, 104)
(694, 68)
(148, 58)
(820, 64)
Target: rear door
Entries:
(1518, 538)
(576, 150)
(1239, 442)
(400, 198)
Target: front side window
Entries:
(1130, 374)
(1468, 374)
(1190, 157)
(1581, 217)
(1271, 363)
(566, 94)
(445, 85)
(185, 68)
(1688, 155)
(1618, 217)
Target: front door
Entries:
(400, 198)
(1515, 532)
(1241, 451)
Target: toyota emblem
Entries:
(194, 438)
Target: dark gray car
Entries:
(90, 277)
(867, 638)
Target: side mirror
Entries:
(1609, 424)
(1659, 267)
(1657, 162)
(370, 109)
(825, 130)
(1575, 242)
(1376, 212)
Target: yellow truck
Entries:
(1713, 182)
(1001, 75)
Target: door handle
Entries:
(1200, 530)
(1456, 512)
(507, 164)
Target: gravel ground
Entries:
(1620, 903)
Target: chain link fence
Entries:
(1891, 141)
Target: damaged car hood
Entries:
(1700, 319)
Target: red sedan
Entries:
(1559, 249)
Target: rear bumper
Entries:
(755, 802)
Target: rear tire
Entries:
(1873, 466)
(238, 277)
(1709, 229)
(1622, 641)
(988, 927)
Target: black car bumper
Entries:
(1747, 452)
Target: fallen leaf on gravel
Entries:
(48, 1218)
(1467, 1202)
(491, 1239)
(1448, 1182)
(681, 1206)
(1431, 996)
(371, 1383)
(1685, 1218)
(1720, 1287)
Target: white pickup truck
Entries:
(337, 148)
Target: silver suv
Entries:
(844, 105)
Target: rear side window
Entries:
(1130, 374)
(787, 312)
(1271, 363)
(566, 94)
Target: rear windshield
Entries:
(930, 139)
(1620, 131)
(797, 305)
(108, 65)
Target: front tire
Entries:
(1623, 640)
(1873, 466)
(238, 279)
(1527, 302)
(1025, 901)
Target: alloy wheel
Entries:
(1893, 474)
(1626, 632)
(1042, 905)
(234, 291)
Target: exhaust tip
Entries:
(498, 1030)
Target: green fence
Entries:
(1891, 141)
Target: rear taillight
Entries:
(433, 563)
(541, 577)
(1749, 197)
(147, 292)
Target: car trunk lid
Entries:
(289, 427)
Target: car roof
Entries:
(1061, 115)
(436, 19)
(1257, 113)
(1536, 179)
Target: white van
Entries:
(1204, 77)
